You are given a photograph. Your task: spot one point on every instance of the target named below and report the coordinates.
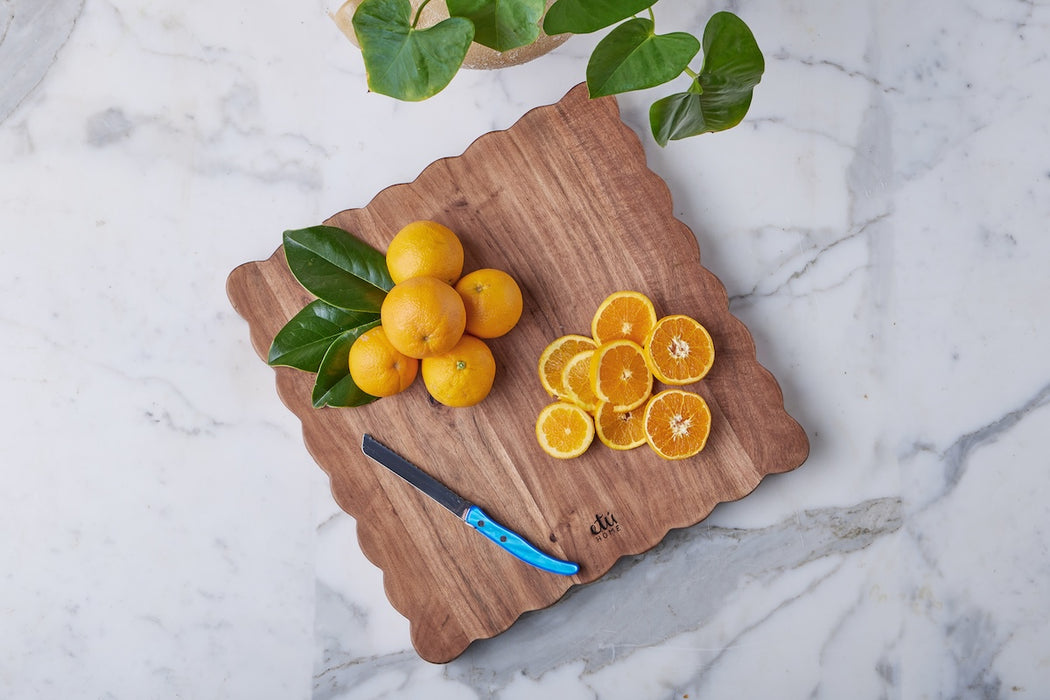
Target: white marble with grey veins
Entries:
(880, 222)
(32, 32)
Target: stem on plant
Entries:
(419, 12)
(695, 87)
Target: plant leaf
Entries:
(720, 96)
(335, 266)
(677, 116)
(585, 16)
(334, 385)
(407, 63)
(501, 24)
(306, 337)
(633, 57)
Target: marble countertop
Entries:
(880, 221)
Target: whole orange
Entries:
(462, 376)
(425, 249)
(377, 367)
(493, 302)
(423, 316)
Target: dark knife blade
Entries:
(415, 476)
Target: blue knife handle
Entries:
(516, 544)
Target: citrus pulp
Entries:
(677, 423)
(564, 430)
(623, 315)
(679, 350)
(620, 374)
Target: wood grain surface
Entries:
(564, 201)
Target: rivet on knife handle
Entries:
(465, 510)
(516, 544)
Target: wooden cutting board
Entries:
(563, 201)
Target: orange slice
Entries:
(677, 423)
(623, 316)
(620, 374)
(620, 430)
(554, 357)
(564, 430)
(679, 350)
(576, 379)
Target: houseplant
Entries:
(413, 48)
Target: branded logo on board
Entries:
(604, 526)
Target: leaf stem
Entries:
(419, 12)
(694, 87)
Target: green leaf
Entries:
(334, 385)
(677, 116)
(404, 62)
(633, 57)
(501, 24)
(585, 16)
(334, 266)
(720, 96)
(307, 336)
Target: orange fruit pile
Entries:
(433, 321)
(606, 384)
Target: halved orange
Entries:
(679, 350)
(564, 430)
(554, 357)
(620, 430)
(624, 315)
(576, 378)
(677, 423)
(620, 374)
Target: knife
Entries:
(464, 509)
